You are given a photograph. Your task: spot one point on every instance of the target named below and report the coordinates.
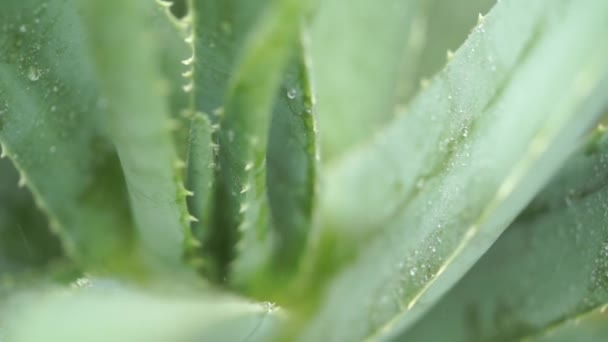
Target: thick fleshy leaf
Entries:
(200, 176)
(551, 265)
(453, 173)
(126, 59)
(252, 41)
(405, 42)
(104, 311)
(355, 44)
(448, 23)
(51, 126)
(590, 327)
(26, 241)
(290, 178)
(219, 30)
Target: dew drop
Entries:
(53, 108)
(269, 307)
(291, 94)
(23, 29)
(33, 74)
(53, 149)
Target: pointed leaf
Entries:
(25, 239)
(127, 62)
(386, 29)
(127, 315)
(453, 174)
(256, 49)
(47, 81)
(550, 266)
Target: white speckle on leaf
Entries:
(291, 94)
(33, 74)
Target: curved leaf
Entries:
(254, 40)
(549, 266)
(453, 173)
(47, 81)
(269, 257)
(200, 174)
(138, 120)
(25, 239)
(219, 30)
(355, 44)
(448, 23)
(128, 315)
(590, 327)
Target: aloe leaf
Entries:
(200, 175)
(138, 120)
(452, 178)
(290, 177)
(131, 315)
(590, 327)
(448, 23)
(342, 66)
(218, 31)
(47, 81)
(26, 241)
(171, 34)
(264, 38)
(559, 272)
(292, 163)
(407, 43)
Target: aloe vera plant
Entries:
(301, 170)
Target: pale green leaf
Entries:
(549, 266)
(453, 173)
(360, 50)
(126, 59)
(589, 327)
(105, 311)
(51, 126)
(253, 42)
(26, 242)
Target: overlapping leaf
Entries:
(254, 42)
(26, 242)
(548, 267)
(360, 49)
(453, 173)
(52, 128)
(127, 315)
(127, 62)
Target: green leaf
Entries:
(200, 174)
(291, 163)
(405, 42)
(267, 258)
(219, 30)
(549, 266)
(448, 23)
(358, 50)
(590, 327)
(51, 126)
(256, 45)
(127, 61)
(453, 172)
(173, 48)
(131, 316)
(26, 242)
